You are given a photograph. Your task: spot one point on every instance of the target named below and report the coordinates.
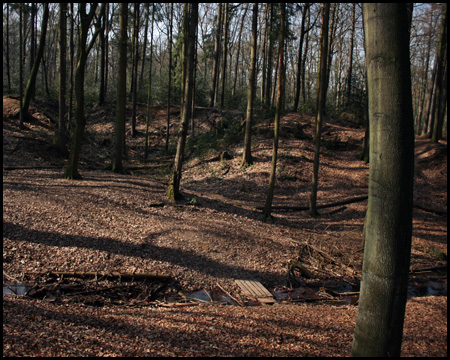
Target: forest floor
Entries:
(110, 222)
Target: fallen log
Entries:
(323, 206)
(109, 275)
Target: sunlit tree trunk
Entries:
(270, 191)
(321, 99)
(189, 30)
(441, 81)
(215, 73)
(384, 284)
(247, 158)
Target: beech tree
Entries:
(32, 79)
(83, 51)
(270, 190)
(321, 98)
(62, 131)
(247, 155)
(189, 31)
(119, 132)
(384, 284)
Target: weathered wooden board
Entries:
(255, 289)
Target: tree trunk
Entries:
(80, 119)
(169, 93)
(321, 99)
(62, 134)
(441, 79)
(215, 73)
(8, 67)
(350, 60)
(247, 158)
(32, 79)
(233, 93)
(189, 30)
(270, 191)
(269, 59)
(300, 53)
(135, 66)
(119, 131)
(384, 284)
(149, 93)
(224, 52)
(21, 125)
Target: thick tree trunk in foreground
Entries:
(384, 284)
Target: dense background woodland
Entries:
(184, 140)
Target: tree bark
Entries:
(247, 158)
(80, 119)
(169, 93)
(441, 80)
(321, 99)
(388, 229)
(119, 131)
(189, 30)
(270, 191)
(149, 93)
(62, 134)
(32, 79)
(215, 73)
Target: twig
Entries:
(229, 295)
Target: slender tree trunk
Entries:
(21, 125)
(189, 31)
(117, 165)
(269, 59)
(300, 53)
(80, 119)
(440, 79)
(350, 60)
(8, 68)
(32, 79)
(225, 53)
(384, 284)
(72, 55)
(149, 93)
(102, 40)
(321, 99)
(247, 158)
(215, 73)
(270, 190)
(62, 133)
(169, 93)
(135, 67)
(233, 93)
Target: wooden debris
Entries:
(255, 289)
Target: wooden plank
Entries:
(256, 290)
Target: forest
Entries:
(224, 179)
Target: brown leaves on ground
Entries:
(110, 222)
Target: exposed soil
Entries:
(109, 222)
